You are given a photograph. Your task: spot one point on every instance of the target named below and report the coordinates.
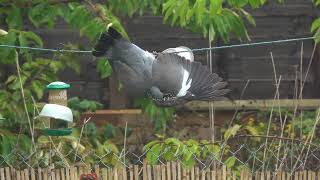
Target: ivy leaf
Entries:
(104, 67)
(231, 131)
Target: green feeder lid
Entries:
(58, 85)
(57, 132)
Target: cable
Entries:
(192, 50)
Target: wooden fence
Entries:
(169, 171)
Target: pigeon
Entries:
(131, 64)
(170, 78)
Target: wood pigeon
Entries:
(131, 64)
(170, 78)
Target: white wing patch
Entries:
(185, 86)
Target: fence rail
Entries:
(168, 171)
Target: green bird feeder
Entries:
(58, 112)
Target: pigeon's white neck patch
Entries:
(184, 86)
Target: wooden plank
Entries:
(255, 104)
(63, 174)
(224, 173)
(52, 174)
(309, 175)
(57, 172)
(115, 174)
(136, 172)
(97, 170)
(268, 175)
(313, 176)
(174, 170)
(131, 172)
(197, 173)
(72, 173)
(114, 112)
(124, 173)
(21, 175)
(184, 173)
(40, 174)
(68, 174)
(149, 172)
(163, 172)
(45, 174)
(26, 174)
(179, 171)
(18, 175)
(8, 173)
(296, 175)
(144, 171)
(168, 169)
(33, 174)
(2, 173)
(110, 173)
(213, 174)
(81, 171)
(192, 173)
(104, 173)
(203, 174)
(158, 170)
(305, 174)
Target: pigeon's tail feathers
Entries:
(207, 86)
(105, 41)
(114, 33)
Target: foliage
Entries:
(160, 116)
(79, 106)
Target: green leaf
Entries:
(38, 88)
(43, 14)
(315, 25)
(8, 54)
(248, 17)
(230, 162)
(104, 67)
(150, 144)
(14, 18)
(252, 130)
(154, 153)
(109, 131)
(215, 7)
(34, 37)
(232, 131)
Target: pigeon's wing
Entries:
(167, 73)
(205, 85)
(186, 79)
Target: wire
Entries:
(44, 49)
(192, 50)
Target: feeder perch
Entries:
(58, 112)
